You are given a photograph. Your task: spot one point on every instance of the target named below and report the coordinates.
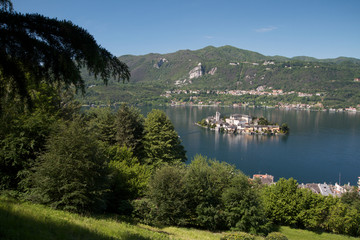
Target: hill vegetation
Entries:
(230, 68)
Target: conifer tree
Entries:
(162, 143)
(129, 126)
(35, 48)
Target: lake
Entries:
(321, 146)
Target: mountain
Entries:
(230, 68)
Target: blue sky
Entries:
(316, 28)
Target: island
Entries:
(243, 124)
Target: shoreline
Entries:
(269, 107)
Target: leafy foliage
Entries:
(23, 134)
(343, 219)
(287, 204)
(129, 125)
(284, 128)
(237, 236)
(206, 181)
(72, 173)
(206, 194)
(168, 194)
(243, 208)
(101, 121)
(129, 179)
(282, 201)
(34, 48)
(161, 141)
(352, 198)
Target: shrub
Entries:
(143, 210)
(276, 236)
(237, 236)
(72, 173)
(167, 193)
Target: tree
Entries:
(205, 183)
(72, 173)
(284, 128)
(282, 202)
(313, 209)
(101, 121)
(243, 208)
(161, 141)
(34, 48)
(168, 194)
(128, 181)
(129, 126)
(343, 219)
(263, 121)
(23, 134)
(352, 198)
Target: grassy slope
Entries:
(31, 221)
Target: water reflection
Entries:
(241, 141)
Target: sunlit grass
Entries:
(22, 220)
(298, 234)
(32, 221)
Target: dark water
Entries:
(321, 145)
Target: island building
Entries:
(240, 123)
(217, 117)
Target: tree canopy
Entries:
(161, 142)
(35, 48)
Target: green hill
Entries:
(230, 68)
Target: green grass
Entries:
(27, 221)
(298, 234)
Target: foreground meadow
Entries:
(23, 220)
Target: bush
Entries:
(243, 207)
(276, 236)
(237, 236)
(167, 193)
(128, 179)
(143, 210)
(72, 173)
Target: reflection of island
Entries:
(243, 124)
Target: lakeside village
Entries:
(318, 188)
(194, 99)
(243, 124)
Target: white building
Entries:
(217, 117)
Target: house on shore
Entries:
(264, 178)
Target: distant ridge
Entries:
(228, 51)
(251, 70)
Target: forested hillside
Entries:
(230, 68)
